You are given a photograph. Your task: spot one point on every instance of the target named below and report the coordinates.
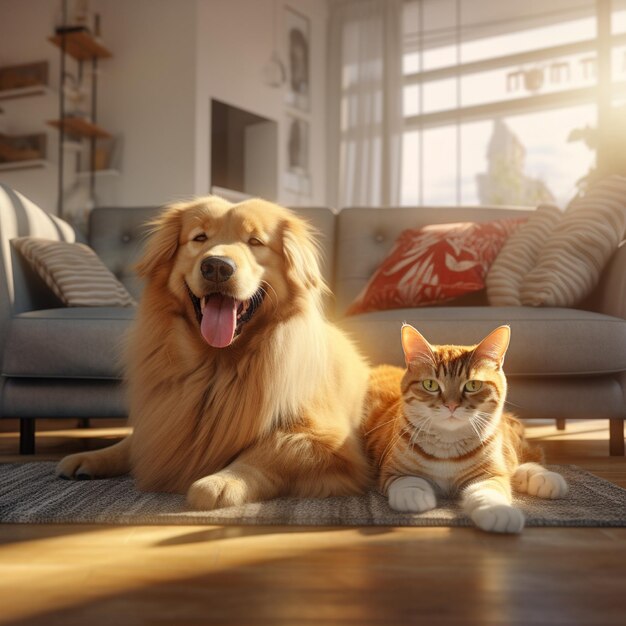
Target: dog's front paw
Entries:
(81, 466)
(217, 491)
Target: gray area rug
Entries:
(30, 493)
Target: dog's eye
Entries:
(254, 241)
(200, 237)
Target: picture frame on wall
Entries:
(298, 41)
(298, 177)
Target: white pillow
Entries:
(519, 255)
(569, 265)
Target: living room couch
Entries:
(64, 362)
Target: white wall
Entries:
(147, 96)
(170, 58)
(234, 42)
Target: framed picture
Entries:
(298, 177)
(298, 35)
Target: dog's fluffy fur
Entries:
(274, 412)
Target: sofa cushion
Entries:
(519, 256)
(434, 264)
(73, 342)
(74, 272)
(573, 257)
(544, 342)
(365, 235)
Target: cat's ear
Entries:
(415, 347)
(493, 347)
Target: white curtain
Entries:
(365, 102)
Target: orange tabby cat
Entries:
(438, 427)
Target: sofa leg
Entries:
(27, 436)
(616, 437)
(560, 423)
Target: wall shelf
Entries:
(25, 92)
(79, 126)
(81, 46)
(31, 164)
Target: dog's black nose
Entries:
(217, 268)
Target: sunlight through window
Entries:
(496, 98)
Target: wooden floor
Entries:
(171, 575)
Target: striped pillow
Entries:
(74, 272)
(569, 266)
(519, 255)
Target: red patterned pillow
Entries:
(434, 264)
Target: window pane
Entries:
(411, 35)
(410, 183)
(513, 149)
(618, 17)
(440, 95)
(439, 167)
(499, 85)
(531, 160)
(437, 39)
(493, 29)
(439, 33)
(618, 63)
(411, 63)
(411, 100)
(474, 143)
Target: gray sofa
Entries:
(64, 362)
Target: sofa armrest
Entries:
(609, 297)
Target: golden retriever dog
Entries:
(240, 390)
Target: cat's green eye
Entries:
(430, 385)
(473, 385)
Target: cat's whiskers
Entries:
(423, 426)
(393, 419)
(481, 421)
(486, 423)
(475, 429)
(392, 443)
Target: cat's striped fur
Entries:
(426, 441)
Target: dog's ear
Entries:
(163, 238)
(302, 253)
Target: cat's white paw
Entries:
(498, 518)
(547, 485)
(411, 494)
(536, 480)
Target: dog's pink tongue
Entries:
(219, 320)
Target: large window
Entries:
(497, 95)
